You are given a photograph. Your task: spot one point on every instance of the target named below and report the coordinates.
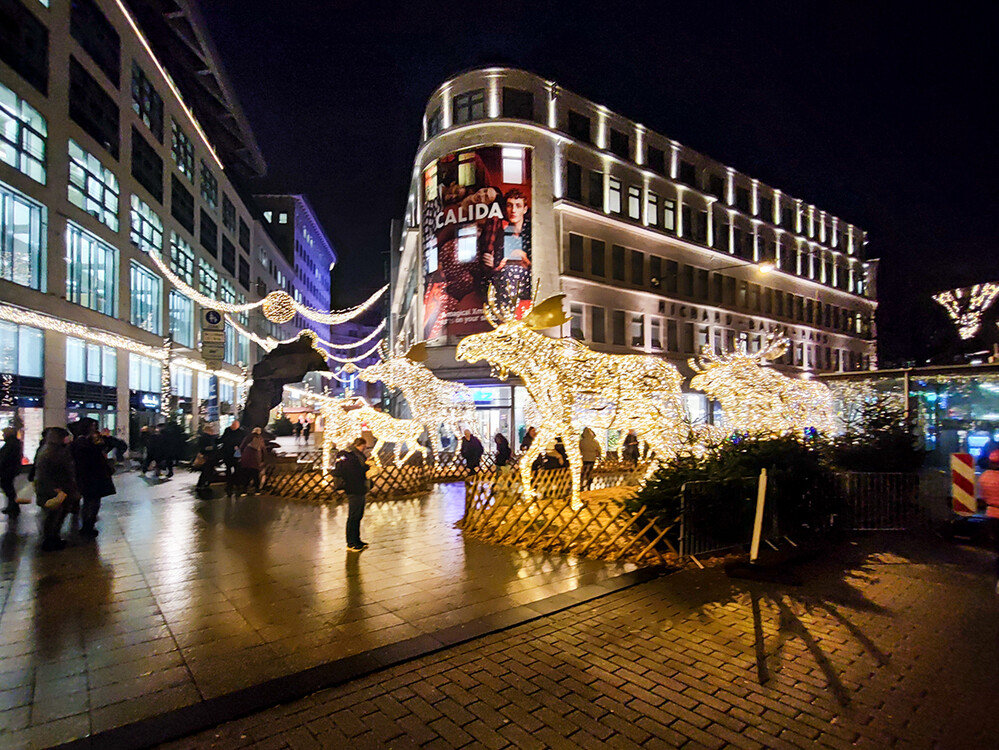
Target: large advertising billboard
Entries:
(476, 232)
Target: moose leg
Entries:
(376, 451)
(398, 452)
(575, 464)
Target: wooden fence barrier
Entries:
(303, 479)
(598, 526)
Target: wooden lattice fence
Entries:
(303, 479)
(597, 526)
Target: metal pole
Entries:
(761, 496)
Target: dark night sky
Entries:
(873, 111)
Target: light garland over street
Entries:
(965, 306)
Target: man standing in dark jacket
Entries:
(352, 467)
(93, 474)
(232, 437)
(10, 466)
(471, 451)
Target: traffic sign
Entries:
(211, 320)
(212, 338)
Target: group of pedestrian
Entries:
(161, 446)
(302, 429)
(244, 455)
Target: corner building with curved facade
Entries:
(659, 249)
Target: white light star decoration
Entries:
(966, 305)
(756, 398)
(434, 403)
(564, 377)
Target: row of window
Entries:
(589, 257)
(713, 228)
(656, 334)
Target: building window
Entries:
(637, 330)
(268, 217)
(21, 350)
(92, 187)
(208, 279)
(209, 186)
(229, 353)
(574, 182)
(147, 227)
(181, 204)
(638, 268)
(613, 195)
(146, 102)
(147, 166)
(22, 239)
(688, 174)
(596, 191)
(147, 299)
(597, 333)
(144, 374)
(181, 258)
(579, 126)
(181, 318)
(24, 44)
(669, 215)
(244, 235)
(617, 263)
(651, 209)
(91, 271)
(655, 328)
(598, 257)
(518, 104)
(467, 240)
(227, 294)
(716, 186)
(209, 234)
(469, 106)
(282, 218)
(92, 109)
(617, 327)
(657, 160)
(766, 206)
(228, 213)
(182, 382)
(435, 123)
(634, 203)
(513, 166)
(576, 322)
(619, 144)
(742, 200)
(575, 253)
(655, 272)
(244, 273)
(182, 150)
(228, 255)
(91, 28)
(91, 363)
(23, 133)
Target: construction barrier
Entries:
(962, 478)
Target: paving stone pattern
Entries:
(891, 642)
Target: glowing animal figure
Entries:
(344, 420)
(757, 398)
(562, 376)
(433, 403)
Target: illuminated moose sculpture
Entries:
(345, 420)
(433, 403)
(563, 376)
(757, 398)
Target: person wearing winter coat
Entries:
(55, 477)
(11, 458)
(629, 451)
(528, 439)
(208, 450)
(232, 437)
(549, 458)
(503, 452)
(251, 458)
(351, 468)
(471, 451)
(93, 474)
(589, 449)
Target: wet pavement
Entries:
(180, 600)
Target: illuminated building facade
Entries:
(121, 136)
(659, 249)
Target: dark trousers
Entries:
(355, 512)
(7, 485)
(993, 524)
(52, 522)
(88, 513)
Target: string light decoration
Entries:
(165, 378)
(966, 305)
(319, 344)
(563, 376)
(433, 403)
(756, 398)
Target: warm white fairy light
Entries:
(194, 294)
(756, 398)
(636, 391)
(197, 364)
(965, 306)
(433, 402)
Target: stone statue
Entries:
(286, 363)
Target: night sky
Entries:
(872, 111)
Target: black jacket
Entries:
(93, 475)
(471, 451)
(10, 458)
(503, 453)
(352, 468)
(230, 441)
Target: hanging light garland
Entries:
(267, 344)
(756, 398)
(965, 306)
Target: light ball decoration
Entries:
(756, 398)
(279, 307)
(966, 305)
(433, 403)
(563, 376)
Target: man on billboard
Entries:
(512, 272)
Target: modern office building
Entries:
(120, 135)
(659, 249)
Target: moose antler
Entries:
(547, 314)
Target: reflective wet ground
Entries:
(181, 600)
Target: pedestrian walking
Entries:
(55, 485)
(155, 444)
(528, 439)
(629, 451)
(207, 457)
(503, 452)
(11, 459)
(306, 431)
(297, 430)
(351, 468)
(989, 484)
(251, 460)
(589, 449)
(232, 438)
(93, 474)
(471, 451)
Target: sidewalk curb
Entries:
(211, 712)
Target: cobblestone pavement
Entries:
(889, 643)
(182, 600)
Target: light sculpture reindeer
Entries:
(759, 399)
(562, 375)
(433, 403)
(345, 420)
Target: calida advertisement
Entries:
(476, 232)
